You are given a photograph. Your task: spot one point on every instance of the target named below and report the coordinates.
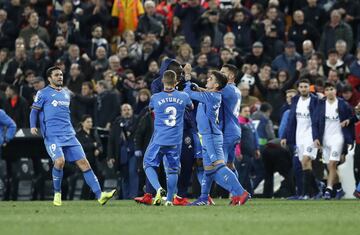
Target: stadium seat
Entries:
(22, 185)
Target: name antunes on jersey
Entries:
(170, 100)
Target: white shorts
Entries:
(306, 150)
(333, 151)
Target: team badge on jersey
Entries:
(335, 154)
(309, 149)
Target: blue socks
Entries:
(93, 182)
(152, 176)
(172, 179)
(200, 173)
(206, 185)
(227, 179)
(358, 187)
(235, 172)
(57, 176)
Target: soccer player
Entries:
(51, 106)
(169, 108)
(212, 141)
(229, 113)
(299, 133)
(332, 133)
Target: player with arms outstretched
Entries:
(51, 107)
(169, 108)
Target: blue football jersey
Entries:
(54, 112)
(169, 109)
(230, 110)
(207, 116)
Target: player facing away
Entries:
(299, 133)
(332, 133)
(51, 107)
(212, 141)
(229, 113)
(169, 108)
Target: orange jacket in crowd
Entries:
(128, 12)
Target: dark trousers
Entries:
(244, 167)
(278, 159)
(357, 164)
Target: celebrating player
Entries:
(51, 106)
(212, 141)
(169, 108)
(299, 132)
(332, 132)
(229, 113)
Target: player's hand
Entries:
(187, 69)
(257, 154)
(317, 143)
(299, 66)
(96, 152)
(283, 143)
(34, 131)
(345, 123)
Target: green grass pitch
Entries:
(126, 217)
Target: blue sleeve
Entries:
(283, 124)
(156, 86)
(202, 97)
(33, 117)
(5, 120)
(38, 100)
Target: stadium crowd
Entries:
(110, 52)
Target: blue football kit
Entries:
(229, 113)
(212, 142)
(51, 108)
(169, 108)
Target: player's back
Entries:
(230, 110)
(169, 109)
(54, 112)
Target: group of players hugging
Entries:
(209, 116)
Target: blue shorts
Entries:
(64, 146)
(212, 149)
(155, 153)
(229, 148)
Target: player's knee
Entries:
(59, 163)
(83, 164)
(199, 162)
(173, 170)
(332, 165)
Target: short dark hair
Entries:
(50, 70)
(14, 88)
(303, 80)
(62, 19)
(88, 84)
(231, 68)
(244, 106)
(169, 77)
(265, 107)
(347, 88)
(221, 79)
(332, 51)
(84, 117)
(329, 84)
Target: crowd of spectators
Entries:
(111, 50)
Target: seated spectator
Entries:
(8, 31)
(257, 56)
(41, 60)
(34, 28)
(150, 22)
(335, 63)
(287, 60)
(76, 79)
(241, 27)
(153, 72)
(246, 98)
(4, 63)
(185, 54)
(142, 101)
(82, 104)
(100, 64)
(343, 53)
(17, 107)
(97, 40)
(307, 49)
(351, 95)
(355, 65)
(133, 47)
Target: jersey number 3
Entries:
(171, 121)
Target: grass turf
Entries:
(125, 217)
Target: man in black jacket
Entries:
(121, 151)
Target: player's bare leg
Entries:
(331, 180)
